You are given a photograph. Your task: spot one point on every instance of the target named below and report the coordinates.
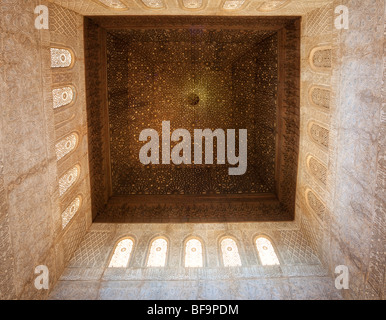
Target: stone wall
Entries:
(312, 191)
(300, 274)
(30, 218)
(340, 198)
(357, 153)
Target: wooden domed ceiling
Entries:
(193, 73)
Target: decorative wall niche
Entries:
(71, 211)
(66, 145)
(317, 170)
(315, 204)
(62, 57)
(321, 58)
(69, 179)
(63, 96)
(319, 134)
(320, 97)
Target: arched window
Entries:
(230, 253)
(193, 253)
(66, 145)
(266, 252)
(70, 212)
(61, 58)
(157, 253)
(68, 179)
(62, 96)
(122, 252)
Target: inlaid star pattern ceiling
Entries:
(153, 75)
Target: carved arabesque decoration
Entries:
(112, 4)
(68, 179)
(66, 145)
(230, 253)
(233, 4)
(63, 21)
(61, 58)
(192, 4)
(70, 211)
(316, 205)
(319, 134)
(193, 253)
(73, 236)
(317, 169)
(150, 75)
(320, 97)
(321, 58)
(62, 96)
(273, 5)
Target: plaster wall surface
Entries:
(30, 218)
(300, 274)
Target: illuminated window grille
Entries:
(121, 255)
(266, 252)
